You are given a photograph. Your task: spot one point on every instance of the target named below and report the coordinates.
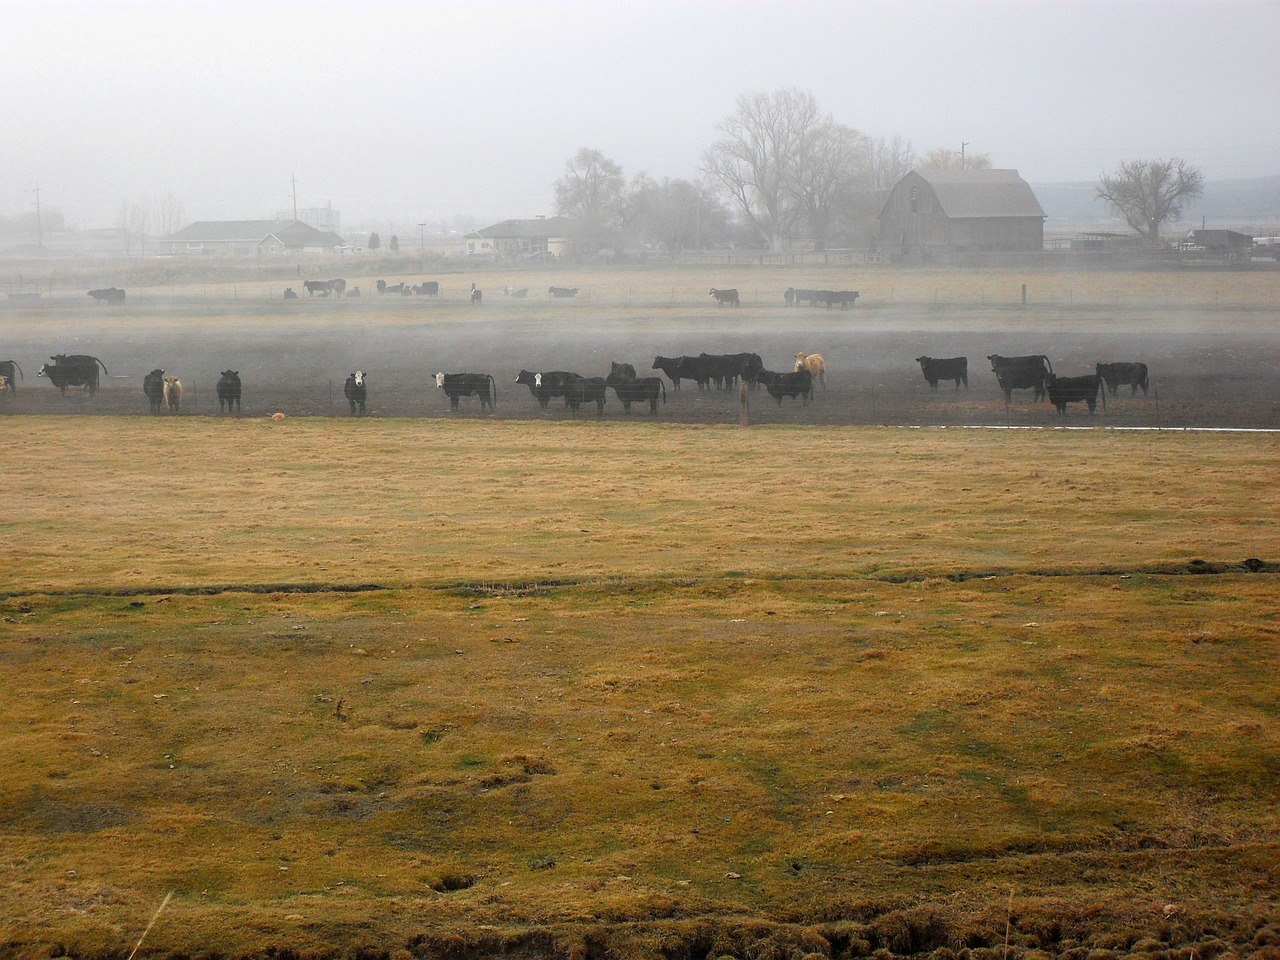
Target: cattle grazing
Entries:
(952, 368)
(427, 288)
(458, 385)
(622, 370)
(1021, 373)
(725, 296)
(1116, 375)
(554, 383)
(153, 387)
(638, 390)
(679, 368)
(476, 296)
(111, 295)
(356, 390)
(74, 370)
(229, 390)
(173, 394)
(816, 366)
(560, 293)
(1064, 390)
(289, 294)
(519, 294)
(793, 385)
(7, 369)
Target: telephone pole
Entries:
(293, 181)
(39, 221)
(963, 144)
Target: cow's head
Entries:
(231, 373)
(43, 371)
(358, 378)
(440, 380)
(537, 379)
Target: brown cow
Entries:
(816, 366)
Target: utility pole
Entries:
(963, 144)
(39, 222)
(422, 238)
(294, 183)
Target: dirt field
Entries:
(1213, 364)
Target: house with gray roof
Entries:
(248, 238)
(937, 214)
(542, 238)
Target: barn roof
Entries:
(288, 232)
(982, 193)
(536, 229)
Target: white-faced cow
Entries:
(356, 390)
(153, 387)
(1116, 375)
(951, 368)
(458, 385)
(7, 370)
(553, 383)
(476, 295)
(229, 390)
(725, 296)
(1022, 373)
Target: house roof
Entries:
(982, 193)
(289, 232)
(537, 229)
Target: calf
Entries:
(1021, 373)
(356, 390)
(173, 394)
(1116, 375)
(229, 390)
(816, 366)
(630, 390)
(458, 385)
(952, 368)
(793, 385)
(1064, 390)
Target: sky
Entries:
(391, 109)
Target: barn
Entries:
(938, 215)
(542, 238)
(248, 238)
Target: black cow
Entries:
(725, 368)
(428, 288)
(112, 295)
(153, 387)
(229, 390)
(73, 370)
(562, 292)
(1021, 373)
(593, 391)
(680, 368)
(622, 370)
(789, 295)
(322, 287)
(1116, 375)
(382, 287)
(725, 296)
(554, 383)
(476, 296)
(7, 369)
(356, 390)
(793, 385)
(458, 385)
(953, 368)
(633, 390)
(845, 298)
(1064, 390)
(803, 296)
(289, 294)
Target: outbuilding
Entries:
(542, 238)
(248, 238)
(937, 214)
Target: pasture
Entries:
(425, 688)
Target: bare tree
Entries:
(170, 214)
(826, 173)
(591, 191)
(1149, 192)
(676, 213)
(756, 158)
(887, 161)
(945, 159)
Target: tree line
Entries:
(781, 171)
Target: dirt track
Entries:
(294, 358)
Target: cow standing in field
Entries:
(229, 390)
(458, 385)
(173, 394)
(111, 295)
(356, 390)
(476, 296)
(7, 370)
(73, 370)
(553, 383)
(289, 294)
(153, 387)
(1116, 375)
(725, 296)
(677, 368)
(519, 293)
(593, 391)
(1022, 373)
(561, 293)
(952, 368)
(816, 366)
(643, 389)
(793, 385)
(625, 370)
(1064, 390)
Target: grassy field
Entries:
(412, 689)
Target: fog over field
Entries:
(404, 110)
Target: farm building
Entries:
(1223, 243)
(935, 214)
(248, 238)
(536, 239)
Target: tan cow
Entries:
(173, 394)
(816, 366)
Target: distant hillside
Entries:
(1247, 205)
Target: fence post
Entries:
(744, 416)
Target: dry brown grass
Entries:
(636, 691)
